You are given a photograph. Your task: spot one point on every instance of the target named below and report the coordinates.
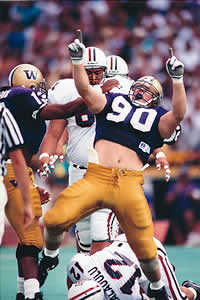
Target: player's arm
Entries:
(21, 173)
(94, 99)
(62, 111)
(49, 145)
(61, 143)
(169, 121)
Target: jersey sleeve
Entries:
(28, 102)
(75, 268)
(13, 136)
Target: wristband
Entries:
(160, 154)
(77, 61)
(44, 154)
(177, 80)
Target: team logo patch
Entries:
(144, 147)
(31, 74)
(13, 182)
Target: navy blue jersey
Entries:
(25, 104)
(126, 124)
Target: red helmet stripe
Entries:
(90, 54)
(111, 63)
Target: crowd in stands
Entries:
(141, 32)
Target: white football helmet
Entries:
(28, 76)
(146, 92)
(94, 62)
(116, 66)
(83, 289)
(94, 58)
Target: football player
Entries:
(11, 142)
(80, 132)
(117, 270)
(26, 97)
(128, 129)
(80, 136)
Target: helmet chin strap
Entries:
(138, 103)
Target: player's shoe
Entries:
(20, 296)
(160, 294)
(47, 263)
(38, 296)
(193, 285)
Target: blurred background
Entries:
(141, 32)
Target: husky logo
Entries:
(31, 74)
(13, 182)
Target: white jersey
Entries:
(117, 270)
(81, 128)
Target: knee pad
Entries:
(27, 250)
(83, 234)
(107, 221)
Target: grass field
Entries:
(186, 260)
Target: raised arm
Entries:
(171, 120)
(94, 99)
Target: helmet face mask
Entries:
(96, 76)
(146, 92)
(28, 76)
(116, 66)
(94, 62)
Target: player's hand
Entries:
(46, 163)
(45, 197)
(76, 51)
(109, 85)
(162, 162)
(174, 137)
(175, 68)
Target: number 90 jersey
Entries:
(131, 126)
(81, 127)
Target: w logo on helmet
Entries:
(31, 74)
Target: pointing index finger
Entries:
(171, 52)
(79, 35)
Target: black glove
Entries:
(175, 68)
(76, 52)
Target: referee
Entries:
(10, 144)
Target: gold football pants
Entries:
(117, 189)
(14, 206)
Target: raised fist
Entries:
(76, 51)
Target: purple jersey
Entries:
(131, 126)
(25, 104)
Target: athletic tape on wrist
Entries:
(177, 80)
(77, 61)
(44, 154)
(160, 154)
